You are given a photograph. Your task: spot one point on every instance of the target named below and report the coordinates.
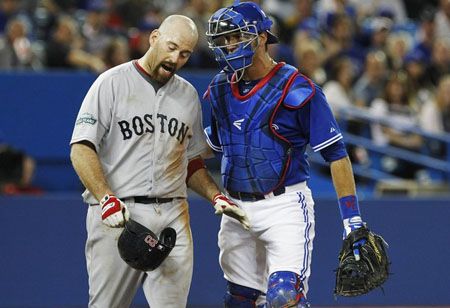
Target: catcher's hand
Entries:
(114, 211)
(357, 277)
(223, 205)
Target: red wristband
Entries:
(193, 166)
(215, 196)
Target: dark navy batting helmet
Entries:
(141, 249)
(242, 21)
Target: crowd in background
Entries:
(389, 56)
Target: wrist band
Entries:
(193, 166)
(349, 207)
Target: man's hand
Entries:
(114, 211)
(223, 205)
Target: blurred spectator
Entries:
(378, 30)
(393, 9)
(16, 172)
(440, 61)
(48, 12)
(117, 52)
(169, 7)
(371, 84)
(328, 9)
(284, 9)
(415, 7)
(300, 15)
(340, 36)
(213, 6)
(338, 91)
(139, 39)
(338, 88)
(398, 45)
(94, 29)
(280, 52)
(15, 47)
(426, 33)
(395, 107)
(338, 40)
(133, 12)
(435, 115)
(442, 21)
(415, 64)
(64, 49)
(308, 29)
(308, 54)
(11, 9)
(202, 57)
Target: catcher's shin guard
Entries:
(238, 296)
(285, 290)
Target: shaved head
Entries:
(171, 45)
(179, 23)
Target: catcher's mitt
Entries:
(353, 277)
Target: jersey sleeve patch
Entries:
(299, 93)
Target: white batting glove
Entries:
(223, 205)
(114, 211)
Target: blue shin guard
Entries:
(238, 296)
(285, 290)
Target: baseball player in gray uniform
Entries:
(136, 146)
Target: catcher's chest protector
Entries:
(254, 156)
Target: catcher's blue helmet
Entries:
(244, 21)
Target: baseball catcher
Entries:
(363, 263)
(141, 249)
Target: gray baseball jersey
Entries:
(143, 138)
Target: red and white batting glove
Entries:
(223, 205)
(114, 211)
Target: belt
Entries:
(148, 200)
(247, 196)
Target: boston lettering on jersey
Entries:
(140, 125)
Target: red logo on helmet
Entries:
(150, 241)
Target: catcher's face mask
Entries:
(141, 249)
(233, 35)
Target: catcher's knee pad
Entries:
(285, 290)
(238, 296)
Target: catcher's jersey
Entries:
(299, 121)
(143, 138)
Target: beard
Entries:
(164, 71)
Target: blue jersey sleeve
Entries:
(323, 129)
(334, 151)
